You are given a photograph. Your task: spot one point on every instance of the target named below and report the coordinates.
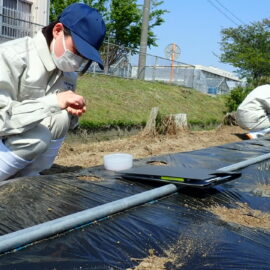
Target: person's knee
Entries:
(31, 143)
(58, 124)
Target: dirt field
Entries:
(75, 155)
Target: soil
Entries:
(152, 262)
(243, 215)
(75, 155)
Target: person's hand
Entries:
(73, 103)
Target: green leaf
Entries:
(247, 48)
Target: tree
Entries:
(247, 48)
(57, 6)
(124, 27)
(123, 20)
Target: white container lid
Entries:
(118, 161)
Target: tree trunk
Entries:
(180, 120)
(150, 127)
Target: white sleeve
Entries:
(17, 117)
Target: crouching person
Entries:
(37, 83)
(253, 114)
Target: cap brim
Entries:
(86, 50)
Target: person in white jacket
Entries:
(37, 84)
(253, 114)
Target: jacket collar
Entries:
(43, 51)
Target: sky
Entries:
(195, 26)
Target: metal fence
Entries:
(123, 62)
(16, 24)
(205, 79)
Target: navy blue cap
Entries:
(87, 29)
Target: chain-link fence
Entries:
(123, 62)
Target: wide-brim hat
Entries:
(87, 30)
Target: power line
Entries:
(223, 13)
(229, 11)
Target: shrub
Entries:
(235, 97)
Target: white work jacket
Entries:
(253, 113)
(29, 81)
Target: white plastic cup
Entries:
(118, 161)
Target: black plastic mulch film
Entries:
(180, 222)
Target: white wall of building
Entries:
(19, 18)
(41, 11)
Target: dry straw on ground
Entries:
(75, 154)
(242, 215)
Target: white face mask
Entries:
(69, 61)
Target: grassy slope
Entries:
(112, 100)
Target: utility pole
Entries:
(144, 38)
(48, 12)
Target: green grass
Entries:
(115, 101)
